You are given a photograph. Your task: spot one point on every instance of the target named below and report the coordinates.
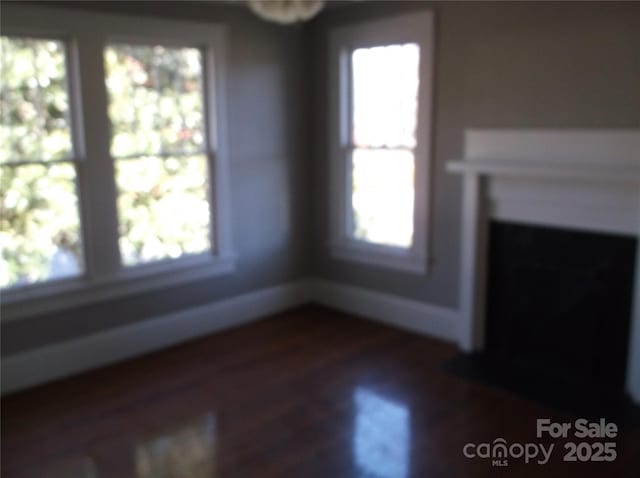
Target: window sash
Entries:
(202, 93)
(350, 96)
(207, 189)
(348, 184)
(82, 269)
(70, 80)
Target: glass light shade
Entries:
(286, 11)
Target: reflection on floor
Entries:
(308, 394)
(188, 451)
(381, 438)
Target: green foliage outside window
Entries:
(40, 227)
(156, 110)
(155, 100)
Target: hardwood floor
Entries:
(308, 393)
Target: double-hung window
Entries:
(156, 109)
(40, 237)
(380, 141)
(112, 162)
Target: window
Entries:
(384, 140)
(40, 235)
(380, 128)
(113, 163)
(158, 143)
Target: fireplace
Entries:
(549, 271)
(559, 303)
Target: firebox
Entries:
(559, 303)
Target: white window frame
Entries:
(415, 28)
(86, 35)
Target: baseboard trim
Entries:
(60, 360)
(35, 367)
(412, 315)
(52, 362)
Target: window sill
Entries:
(387, 257)
(69, 293)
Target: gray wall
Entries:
(498, 65)
(526, 65)
(265, 121)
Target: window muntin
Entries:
(40, 233)
(384, 110)
(156, 108)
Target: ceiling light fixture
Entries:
(286, 11)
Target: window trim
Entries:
(417, 28)
(86, 34)
(56, 295)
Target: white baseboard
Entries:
(45, 364)
(56, 361)
(60, 360)
(419, 317)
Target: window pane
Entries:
(40, 233)
(382, 196)
(156, 100)
(35, 104)
(162, 207)
(385, 95)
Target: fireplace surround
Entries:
(576, 181)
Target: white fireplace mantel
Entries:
(576, 179)
(551, 169)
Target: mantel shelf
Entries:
(572, 170)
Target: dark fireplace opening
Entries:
(559, 302)
(558, 315)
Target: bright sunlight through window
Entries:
(156, 109)
(39, 217)
(384, 116)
